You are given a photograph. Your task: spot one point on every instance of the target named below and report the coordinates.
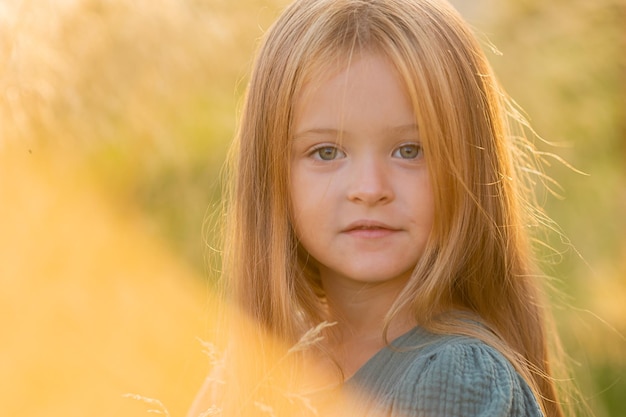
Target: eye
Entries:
(408, 151)
(327, 153)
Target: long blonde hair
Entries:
(478, 263)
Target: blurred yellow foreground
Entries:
(110, 112)
(91, 307)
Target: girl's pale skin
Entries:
(362, 199)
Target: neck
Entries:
(360, 309)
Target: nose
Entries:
(370, 183)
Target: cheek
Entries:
(296, 195)
(309, 192)
(428, 214)
(428, 198)
(310, 210)
(300, 204)
(422, 204)
(306, 213)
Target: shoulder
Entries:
(461, 376)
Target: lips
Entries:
(369, 229)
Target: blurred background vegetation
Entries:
(114, 121)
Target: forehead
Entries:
(368, 89)
(327, 63)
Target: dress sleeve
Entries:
(464, 379)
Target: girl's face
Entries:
(361, 194)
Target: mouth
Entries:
(369, 226)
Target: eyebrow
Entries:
(319, 131)
(411, 127)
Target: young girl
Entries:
(380, 197)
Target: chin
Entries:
(377, 276)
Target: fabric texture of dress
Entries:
(428, 375)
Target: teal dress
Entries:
(429, 375)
